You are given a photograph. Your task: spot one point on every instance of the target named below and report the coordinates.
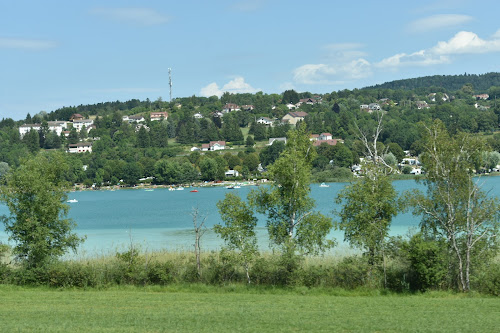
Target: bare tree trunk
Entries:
(199, 230)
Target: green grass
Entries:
(210, 309)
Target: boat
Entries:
(324, 185)
(237, 186)
(230, 187)
(180, 188)
(194, 191)
(149, 190)
(171, 188)
(72, 200)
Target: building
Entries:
(265, 121)
(79, 124)
(54, 126)
(213, 146)
(293, 118)
(158, 115)
(80, 147)
(230, 107)
(133, 119)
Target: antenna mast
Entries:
(170, 82)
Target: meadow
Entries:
(200, 308)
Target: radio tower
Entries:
(170, 82)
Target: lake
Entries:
(161, 219)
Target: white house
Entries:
(133, 119)
(198, 115)
(80, 147)
(54, 126)
(325, 136)
(213, 145)
(158, 115)
(231, 173)
(230, 107)
(78, 124)
(265, 121)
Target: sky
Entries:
(66, 53)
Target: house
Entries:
(313, 137)
(373, 107)
(325, 136)
(273, 140)
(481, 96)
(195, 149)
(231, 173)
(158, 115)
(198, 115)
(247, 107)
(133, 119)
(331, 142)
(54, 126)
(432, 97)
(80, 147)
(364, 107)
(213, 146)
(308, 101)
(422, 105)
(79, 124)
(265, 121)
(230, 107)
(294, 117)
(291, 106)
(76, 116)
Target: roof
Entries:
(332, 142)
(297, 114)
(220, 143)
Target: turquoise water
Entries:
(161, 219)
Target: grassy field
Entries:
(211, 309)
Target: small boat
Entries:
(72, 200)
(230, 187)
(324, 185)
(171, 188)
(180, 188)
(237, 186)
(149, 190)
(194, 191)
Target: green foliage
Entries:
(369, 204)
(291, 222)
(36, 200)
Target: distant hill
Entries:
(481, 83)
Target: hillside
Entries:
(481, 83)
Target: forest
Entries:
(161, 151)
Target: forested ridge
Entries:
(481, 82)
(162, 150)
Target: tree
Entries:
(238, 231)
(369, 203)
(291, 222)
(199, 230)
(455, 207)
(290, 96)
(36, 200)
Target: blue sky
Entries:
(63, 53)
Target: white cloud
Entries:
(27, 44)
(138, 16)
(467, 42)
(211, 90)
(235, 86)
(435, 22)
(463, 42)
